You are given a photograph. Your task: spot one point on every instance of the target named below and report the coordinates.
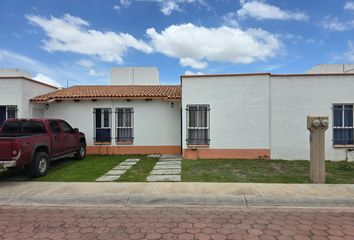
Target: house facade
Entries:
(246, 116)
(16, 89)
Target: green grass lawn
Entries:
(86, 170)
(213, 170)
(266, 171)
(140, 171)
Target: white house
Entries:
(257, 115)
(124, 117)
(16, 89)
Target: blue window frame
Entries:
(343, 124)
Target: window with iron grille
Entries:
(7, 112)
(198, 124)
(343, 124)
(125, 123)
(102, 124)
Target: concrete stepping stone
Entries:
(121, 167)
(164, 178)
(118, 170)
(168, 163)
(132, 160)
(166, 172)
(127, 164)
(169, 159)
(167, 167)
(107, 178)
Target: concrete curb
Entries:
(174, 200)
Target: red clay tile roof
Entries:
(166, 92)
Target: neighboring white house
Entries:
(259, 115)
(16, 89)
(264, 115)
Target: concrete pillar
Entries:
(317, 126)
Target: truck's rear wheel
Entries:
(81, 152)
(40, 165)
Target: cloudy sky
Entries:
(78, 41)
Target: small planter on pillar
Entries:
(317, 127)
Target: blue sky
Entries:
(79, 41)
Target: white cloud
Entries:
(334, 24)
(125, 3)
(166, 6)
(223, 44)
(260, 10)
(9, 59)
(94, 73)
(193, 73)
(349, 6)
(15, 60)
(71, 34)
(185, 62)
(45, 79)
(85, 63)
(230, 19)
(116, 7)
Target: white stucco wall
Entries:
(295, 97)
(19, 91)
(239, 115)
(155, 122)
(135, 76)
(11, 93)
(30, 90)
(257, 112)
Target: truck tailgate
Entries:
(5, 149)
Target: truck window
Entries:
(23, 127)
(66, 127)
(54, 126)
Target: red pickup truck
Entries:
(33, 143)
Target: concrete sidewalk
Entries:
(177, 194)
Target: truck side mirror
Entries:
(76, 130)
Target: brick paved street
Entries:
(173, 223)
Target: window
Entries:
(198, 124)
(54, 126)
(66, 127)
(343, 124)
(124, 121)
(7, 112)
(102, 124)
(23, 127)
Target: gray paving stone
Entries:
(167, 167)
(127, 164)
(164, 178)
(121, 167)
(168, 163)
(166, 172)
(107, 178)
(115, 172)
(132, 160)
(169, 159)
